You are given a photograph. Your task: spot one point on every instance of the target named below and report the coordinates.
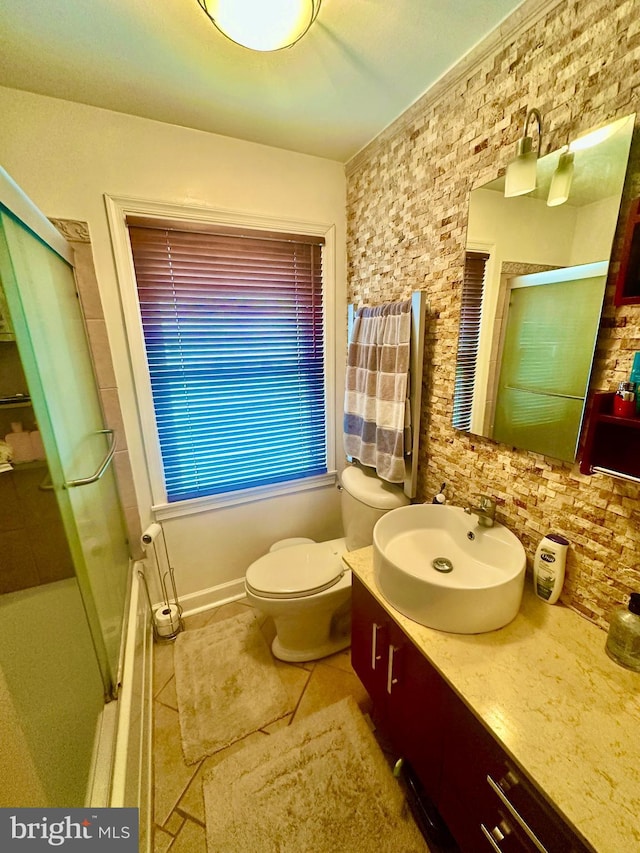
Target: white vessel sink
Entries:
(436, 565)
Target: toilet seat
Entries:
(296, 572)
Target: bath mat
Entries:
(320, 785)
(227, 685)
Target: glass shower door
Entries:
(50, 332)
(549, 341)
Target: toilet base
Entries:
(320, 629)
(315, 625)
(295, 656)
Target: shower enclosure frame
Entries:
(94, 523)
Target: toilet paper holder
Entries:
(166, 615)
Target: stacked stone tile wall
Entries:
(578, 62)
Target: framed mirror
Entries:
(535, 273)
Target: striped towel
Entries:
(377, 382)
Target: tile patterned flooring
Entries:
(179, 807)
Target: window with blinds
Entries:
(234, 335)
(468, 337)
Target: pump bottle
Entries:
(549, 567)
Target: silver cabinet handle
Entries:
(493, 836)
(374, 644)
(84, 481)
(390, 679)
(515, 814)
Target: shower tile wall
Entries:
(77, 233)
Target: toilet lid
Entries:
(295, 572)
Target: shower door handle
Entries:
(85, 481)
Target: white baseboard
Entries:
(214, 596)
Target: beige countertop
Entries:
(565, 712)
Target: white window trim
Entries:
(118, 208)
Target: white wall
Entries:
(592, 242)
(66, 157)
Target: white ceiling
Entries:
(359, 67)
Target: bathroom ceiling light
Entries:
(521, 171)
(561, 180)
(262, 24)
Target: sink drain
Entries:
(442, 564)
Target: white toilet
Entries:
(306, 587)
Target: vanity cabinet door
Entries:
(486, 801)
(415, 700)
(370, 627)
(405, 689)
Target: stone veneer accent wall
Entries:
(578, 61)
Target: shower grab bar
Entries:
(85, 481)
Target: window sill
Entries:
(178, 509)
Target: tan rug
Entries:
(320, 785)
(227, 685)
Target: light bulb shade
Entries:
(520, 177)
(262, 24)
(561, 181)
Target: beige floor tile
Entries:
(215, 614)
(191, 839)
(192, 801)
(341, 660)
(267, 626)
(162, 665)
(327, 685)
(294, 678)
(161, 840)
(179, 802)
(168, 695)
(171, 774)
(174, 824)
(227, 611)
(282, 723)
(198, 620)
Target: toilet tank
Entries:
(365, 498)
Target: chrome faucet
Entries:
(486, 511)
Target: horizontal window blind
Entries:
(233, 330)
(468, 338)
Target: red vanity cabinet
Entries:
(487, 802)
(628, 282)
(405, 689)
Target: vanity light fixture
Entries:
(521, 171)
(263, 25)
(595, 137)
(561, 180)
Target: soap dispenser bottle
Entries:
(549, 567)
(623, 639)
(440, 498)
